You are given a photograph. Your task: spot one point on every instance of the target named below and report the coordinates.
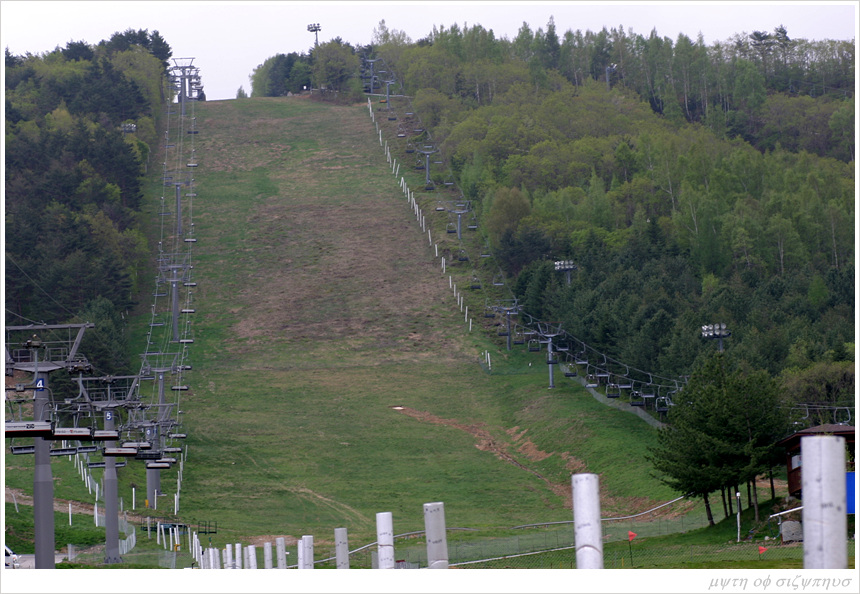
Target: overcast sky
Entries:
(228, 39)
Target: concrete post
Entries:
(385, 540)
(228, 557)
(281, 545)
(267, 555)
(341, 548)
(588, 537)
(437, 541)
(252, 557)
(307, 548)
(237, 555)
(824, 505)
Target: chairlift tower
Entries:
(427, 151)
(182, 71)
(371, 76)
(547, 332)
(508, 310)
(458, 208)
(107, 395)
(55, 355)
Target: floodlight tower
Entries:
(718, 331)
(315, 29)
(565, 266)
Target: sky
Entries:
(229, 39)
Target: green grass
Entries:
(320, 306)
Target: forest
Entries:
(81, 124)
(691, 184)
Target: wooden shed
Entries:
(793, 462)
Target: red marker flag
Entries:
(761, 550)
(630, 536)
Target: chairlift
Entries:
(462, 256)
(534, 345)
(843, 419)
(451, 228)
(410, 148)
(570, 370)
(476, 282)
(637, 399)
(662, 404)
(499, 280)
(519, 338)
(802, 420)
(612, 390)
(473, 223)
(591, 380)
(439, 206)
(551, 358)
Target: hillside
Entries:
(320, 308)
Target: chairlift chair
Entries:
(842, 419)
(534, 345)
(570, 370)
(612, 390)
(476, 282)
(499, 280)
(462, 256)
(662, 404)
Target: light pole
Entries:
(315, 28)
(565, 266)
(718, 331)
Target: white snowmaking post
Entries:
(824, 502)
(281, 546)
(341, 548)
(588, 537)
(228, 557)
(437, 541)
(237, 555)
(252, 556)
(306, 546)
(267, 555)
(385, 540)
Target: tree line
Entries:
(75, 248)
(691, 184)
